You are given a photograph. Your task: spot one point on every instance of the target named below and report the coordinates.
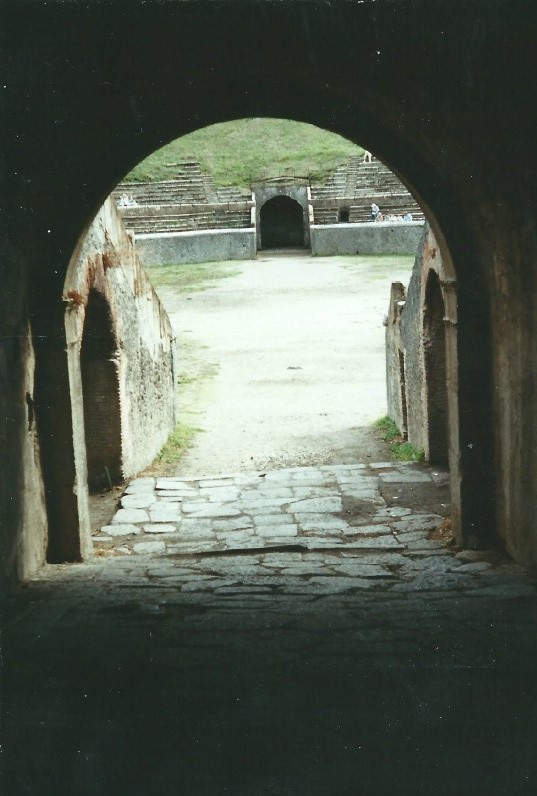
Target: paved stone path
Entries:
(323, 530)
(297, 633)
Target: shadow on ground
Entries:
(316, 652)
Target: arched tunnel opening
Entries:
(361, 660)
(282, 224)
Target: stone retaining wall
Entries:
(196, 247)
(374, 238)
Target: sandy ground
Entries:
(291, 355)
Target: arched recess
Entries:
(434, 348)
(100, 386)
(282, 224)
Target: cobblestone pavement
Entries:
(297, 633)
(328, 529)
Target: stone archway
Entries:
(345, 84)
(282, 224)
(100, 385)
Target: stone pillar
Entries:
(449, 290)
(68, 521)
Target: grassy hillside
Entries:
(237, 152)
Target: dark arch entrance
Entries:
(434, 344)
(100, 385)
(282, 224)
(333, 89)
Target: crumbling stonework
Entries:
(120, 349)
(23, 521)
(421, 360)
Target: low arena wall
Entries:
(201, 246)
(374, 238)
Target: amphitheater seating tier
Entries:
(191, 201)
(355, 186)
(182, 203)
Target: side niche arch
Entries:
(434, 349)
(99, 366)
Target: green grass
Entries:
(387, 428)
(400, 449)
(406, 452)
(239, 152)
(178, 443)
(191, 277)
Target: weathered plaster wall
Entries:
(381, 238)
(514, 311)
(23, 521)
(108, 263)
(395, 382)
(417, 385)
(196, 247)
(411, 326)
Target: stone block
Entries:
(139, 501)
(275, 531)
(328, 505)
(120, 530)
(216, 510)
(172, 483)
(405, 478)
(272, 519)
(237, 524)
(165, 514)
(128, 516)
(143, 548)
(160, 527)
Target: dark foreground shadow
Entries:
(149, 691)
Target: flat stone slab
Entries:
(276, 530)
(142, 548)
(366, 543)
(120, 530)
(405, 478)
(177, 494)
(192, 525)
(368, 530)
(256, 503)
(321, 520)
(363, 570)
(173, 483)
(139, 489)
(130, 516)
(165, 514)
(236, 524)
(268, 491)
(271, 519)
(138, 501)
(419, 522)
(215, 510)
(160, 527)
(328, 505)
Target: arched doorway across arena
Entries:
(282, 224)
